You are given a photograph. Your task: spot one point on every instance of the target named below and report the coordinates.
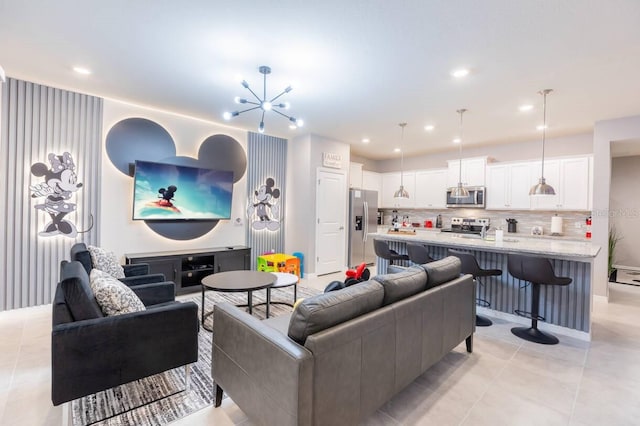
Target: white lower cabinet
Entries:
(431, 188)
(508, 186)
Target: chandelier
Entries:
(264, 104)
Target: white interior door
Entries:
(331, 218)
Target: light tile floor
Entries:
(506, 381)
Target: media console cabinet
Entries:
(186, 268)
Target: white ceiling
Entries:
(359, 67)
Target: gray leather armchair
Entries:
(92, 352)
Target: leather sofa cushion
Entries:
(402, 284)
(77, 292)
(442, 271)
(323, 311)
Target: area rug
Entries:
(122, 399)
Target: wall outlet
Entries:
(238, 222)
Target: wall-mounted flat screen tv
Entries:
(171, 192)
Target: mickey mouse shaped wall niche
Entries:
(265, 210)
(60, 183)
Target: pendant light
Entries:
(401, 192)
(541, 188)
(460, 191)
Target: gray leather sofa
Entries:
(341, 355)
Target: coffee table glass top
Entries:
(232, 281)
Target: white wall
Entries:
(532, 150)
(305, 157)
(604, 133)
(625, 208)
(123, 235)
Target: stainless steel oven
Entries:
(475, 199)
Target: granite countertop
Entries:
(510, 244)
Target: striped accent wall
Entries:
(267, 158)
(566, 306)
(37, 120)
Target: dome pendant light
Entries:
(401, 192)
(541, 188)
(460, 191)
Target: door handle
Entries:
(366, 222)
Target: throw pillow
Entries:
(113, 296)
(106, 261)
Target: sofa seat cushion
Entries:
(402, 284)
(78, 296)
(323, 311)
(106, 261)
(442, 271)
(114, 297)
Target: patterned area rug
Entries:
(121, 399)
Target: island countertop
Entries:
(582, 251)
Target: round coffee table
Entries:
(235, 282)
(285, 280)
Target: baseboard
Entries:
(551, 328)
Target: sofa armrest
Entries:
(266, 373)
(155, 293)
(97, 354)
(136, 269)
(143, 279)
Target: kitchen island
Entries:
(566, 309)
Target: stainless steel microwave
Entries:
(475, 199)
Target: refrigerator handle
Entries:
(366, 221)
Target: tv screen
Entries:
(167, 191)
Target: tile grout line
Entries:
(575, 398)
(493, 380)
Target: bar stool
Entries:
(418, 254)
(383, 251)
(538, 271)
(470, 266)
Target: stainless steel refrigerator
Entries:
(363, 219)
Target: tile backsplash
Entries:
(574, 225)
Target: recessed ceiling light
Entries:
(396, 150)
(365, 140)
(460, 72)
(541, 127)
(456, 140)
(429, 128)
(82, 70)
(525, 108)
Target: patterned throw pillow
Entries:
(113, 296)
(106, 261)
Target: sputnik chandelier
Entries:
(264, 104)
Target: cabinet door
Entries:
(391, 183)
(552, 177)
(497, 187)
(431, 187)
(373, 182)
(474, 171)
(574, 183)
(235, 260)
(355, 175)
(169, 266)
(520, 181)
(453, 173)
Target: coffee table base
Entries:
(249, 305)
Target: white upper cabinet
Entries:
(373, 182)
(431, 188)
(391, 183)
(508, 186)
(570, 179)
(355, 175)
(473, 172)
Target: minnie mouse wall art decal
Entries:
(60, 183)
(264, 212)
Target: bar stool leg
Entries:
(532, 334)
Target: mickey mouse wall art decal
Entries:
(264, 211)
(60, 183)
